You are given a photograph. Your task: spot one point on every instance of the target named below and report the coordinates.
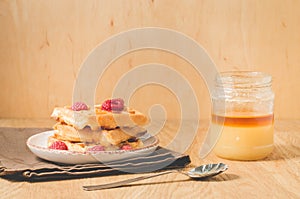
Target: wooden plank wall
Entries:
(44, 43)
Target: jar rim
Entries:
(244, 78)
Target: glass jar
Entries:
(243, 109)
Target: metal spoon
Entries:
(203, 171)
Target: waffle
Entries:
(127, 118)
(77, 119)
(72, 146)
(69, 133)
(134, 143)
(104, 137)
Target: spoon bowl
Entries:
(203, 171)
(207, 170)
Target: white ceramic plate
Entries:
(38, 145)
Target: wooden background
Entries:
(44, 43)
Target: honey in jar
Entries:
(243, 110)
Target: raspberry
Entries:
(78, 106)
(106, 105)
(126, 147)
(113, 105)
(59, 145)
(96, 148)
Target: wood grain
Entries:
(275, 177)
(43, 44)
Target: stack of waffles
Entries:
(107, 126)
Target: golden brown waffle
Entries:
(72, 146)
(127, 118)
(82, 147)
(70, 133)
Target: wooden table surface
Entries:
(278, 176)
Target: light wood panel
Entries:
(44, 43)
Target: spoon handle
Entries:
(123, 182)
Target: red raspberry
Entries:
(106, 105)
(78, 106)
(113, 105)
(96, 148)
(126, 147)
(59, 145)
